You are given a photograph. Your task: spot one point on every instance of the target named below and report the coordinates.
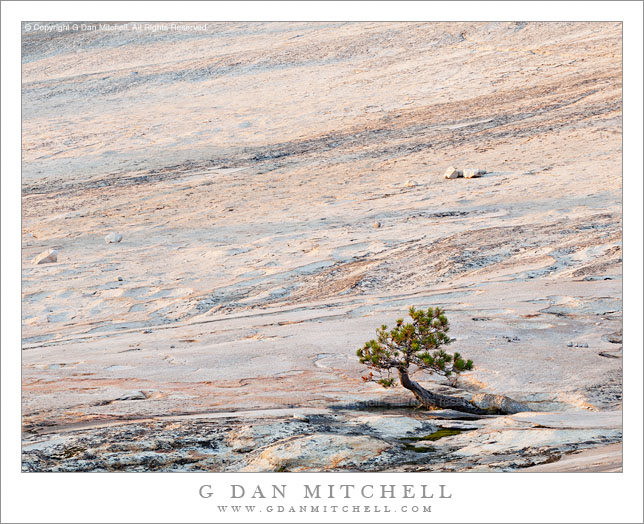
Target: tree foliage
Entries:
(412, 344)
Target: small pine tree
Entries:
(416, 344)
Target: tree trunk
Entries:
(435, 400)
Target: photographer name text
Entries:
(329, 498)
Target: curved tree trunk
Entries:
(493, 403)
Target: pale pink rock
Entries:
(46, 257)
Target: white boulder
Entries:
(113, 238)
(410, 183)
(452, 172)
(473, 173)
(46, 257)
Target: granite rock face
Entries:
(246, 178)
(330, 440)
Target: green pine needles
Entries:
(416, 343)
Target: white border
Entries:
(478, 497)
